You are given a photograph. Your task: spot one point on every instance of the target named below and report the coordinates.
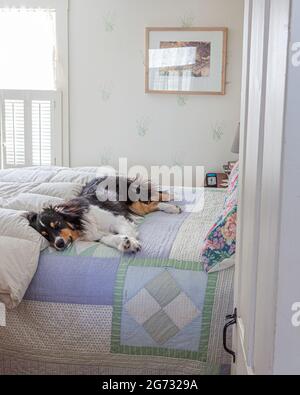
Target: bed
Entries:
(92, 310)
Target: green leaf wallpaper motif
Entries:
(106, 157)
(178, 159)
(182, 101)
(187, 20)
(143, 125)
(217, 131)
(106, 91)
(109, 21)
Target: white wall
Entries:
(112, 117)
(287, 345)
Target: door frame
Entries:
(238, 331)
(254, 337)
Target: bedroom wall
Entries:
(112, 117)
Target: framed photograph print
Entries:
(186, 60)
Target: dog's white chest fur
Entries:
(112, 230)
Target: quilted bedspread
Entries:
(93, 310)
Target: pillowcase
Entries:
(17, 264)
(31, 202)
(231, 198)
(220, 242)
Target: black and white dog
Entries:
(106, 211)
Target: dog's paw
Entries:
(169, 208)
(173, 209)
(177, 210)
(129, 244)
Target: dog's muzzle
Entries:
(60, 244)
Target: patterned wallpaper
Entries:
(112, 117)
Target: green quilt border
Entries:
(116, 347)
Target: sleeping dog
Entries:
(101, 213)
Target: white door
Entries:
(263, 102)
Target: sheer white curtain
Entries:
(28, 49)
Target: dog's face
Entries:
(55, 227)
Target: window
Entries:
(31, 106)
(28, 49)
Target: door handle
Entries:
(232, 318)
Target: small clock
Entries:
(212, 180)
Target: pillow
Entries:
(20, 247)
(220, 242)
(31, 202)
(231, 197)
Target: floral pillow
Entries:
(220, 243)
(231, 198)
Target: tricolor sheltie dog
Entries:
(106, 211)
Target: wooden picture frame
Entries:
(214, 72)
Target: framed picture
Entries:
(186, 60)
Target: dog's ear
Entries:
(73, 209)
(32, 217)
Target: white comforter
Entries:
(23, 190)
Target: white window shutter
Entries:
(14, 133)
(31, 128)
(42, 126)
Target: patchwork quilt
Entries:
(93, 310)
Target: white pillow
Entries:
(31, 202)
(20, 247)
(223, 265)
